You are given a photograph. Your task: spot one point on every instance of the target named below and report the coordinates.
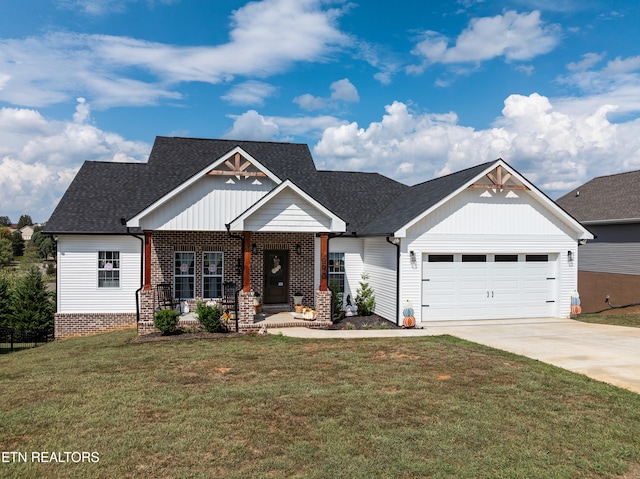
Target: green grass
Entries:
(271, 406)
(615, 318)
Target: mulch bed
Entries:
(364, 322)
(354, 322)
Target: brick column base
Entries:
(147, 308)
(245, 310)
(323, 305)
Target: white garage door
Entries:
(488, 286)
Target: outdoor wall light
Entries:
(412, 256)
(254, 248)
(298, 249)
(570, 256)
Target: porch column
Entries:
(324, 261)
(147, 259)
(246, 275)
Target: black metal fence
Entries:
(18, 339)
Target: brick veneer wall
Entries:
(68, 325)
(166, 243)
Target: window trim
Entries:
(342, 273)
(176, 276)
(205, 275)
(113, 268)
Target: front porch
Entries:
(272, 266)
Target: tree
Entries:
(25, 220)
(44, 244)
(5, 301)
(6, 251)
(365, 299)
(32, 308)
(18, 243)
(5, 221)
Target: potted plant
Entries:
(297, 300)
(257, 305)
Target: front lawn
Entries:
(272, 406)
(616, 317)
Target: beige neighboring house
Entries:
(26, 232)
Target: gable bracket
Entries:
(498, 181)
(236, 168)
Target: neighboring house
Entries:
(609, 206)
(26, 232)
(479, 243)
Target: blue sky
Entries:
(411, 89)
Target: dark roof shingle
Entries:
(605, 198)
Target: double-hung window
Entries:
(212, 274)
(108, 269)
(184, 274)
(336, 272)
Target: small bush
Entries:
(166, 320)
(209, 317)
(365, 299)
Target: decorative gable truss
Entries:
(500, 180)
(239, 167)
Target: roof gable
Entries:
(288, 208)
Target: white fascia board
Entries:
(135, 221)
(337, 224)
(583, 233)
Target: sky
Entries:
(411, 89)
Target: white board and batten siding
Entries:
(208, 205)
(483, 223)
(288, 211)
(78, 290)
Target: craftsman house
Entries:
(205, 216)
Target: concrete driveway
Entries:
(606, 353)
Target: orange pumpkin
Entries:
(576, 309)
(409, 321)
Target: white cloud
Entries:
(251, 125)
(554, 149)
(342, 91)
(514, 36)
(249, 93)
(39, 157)
(266, 37)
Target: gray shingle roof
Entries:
(605, 198)
(419, 198)
(103, 193)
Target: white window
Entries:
(212, 274)
(108, 269)
(336, 272)
(184, 274)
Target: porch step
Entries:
(275, 308)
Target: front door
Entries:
(276, 277)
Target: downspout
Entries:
(237, 293)
(397, 245)
(141, 277)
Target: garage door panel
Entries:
(502, 288)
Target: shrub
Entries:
(209, 317)
(365, 299)
(166, 320)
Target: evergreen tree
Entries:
(6, 251)
(32, 306)
(5, 221)
(5, 301)
(365, 299)
(18, 243)
(25, 220)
